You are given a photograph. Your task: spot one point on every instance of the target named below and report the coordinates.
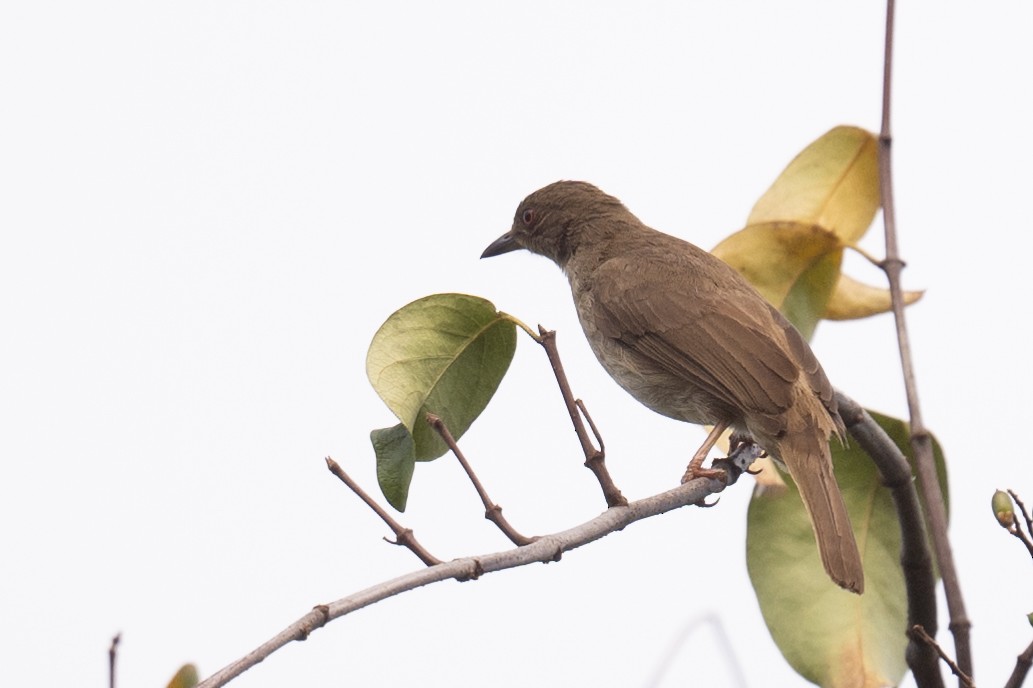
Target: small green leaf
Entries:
(829, 636)
(395, 463)
(186, 677)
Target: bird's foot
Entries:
(693, 472)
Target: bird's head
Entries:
(555, 220)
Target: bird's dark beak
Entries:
(504, 244)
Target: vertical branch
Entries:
(921, 442)
(113, 659)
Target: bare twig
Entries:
(915, 560)
(1023, 510)
(918, 632)
(921, 442)
(1025, 537)
(112, 658)
(595, 459)
(1022, 664)
(492, 511)
(545, 549)
(403, 536)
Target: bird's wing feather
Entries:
(678, 324)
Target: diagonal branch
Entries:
(492, 511)
(403, 536)
(546, 549)
(920, 633)
(595, 459)
(1022, 665)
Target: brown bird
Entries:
(691, 339)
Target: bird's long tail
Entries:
(809, 460)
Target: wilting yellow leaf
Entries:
(794, 266)
(833, 183)
(852, 299)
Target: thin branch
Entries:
(1022, 665)
(112, 659)
(726, 648)
(1015, 528)
(921, 442)
(492, 511)
(919, 633)
(546, 549)
(1022, 507)
(403, 536)
(595, 459)
(919, 580)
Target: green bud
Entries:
(1003, 508)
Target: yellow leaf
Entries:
(794, 266)
(186, 677)
(833, 183)
(852, 300)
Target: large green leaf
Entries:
(443, 354)
(830, 636)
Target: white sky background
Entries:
(207, 210)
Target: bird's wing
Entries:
(812, 370)
(719, 341)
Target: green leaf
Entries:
(829, 636)
(395, 463)
(443, 354)
(186, 677)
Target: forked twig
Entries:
(595, 458)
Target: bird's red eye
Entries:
(528, 216)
